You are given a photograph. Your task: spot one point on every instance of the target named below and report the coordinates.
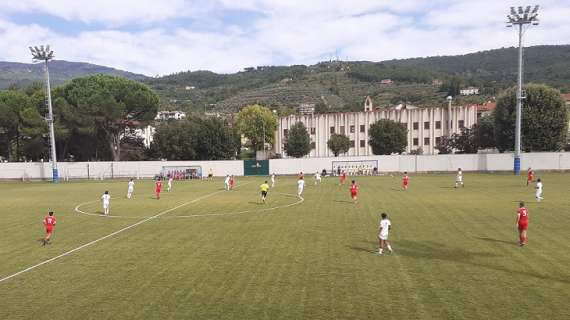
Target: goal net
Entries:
(182, 172)
(355, 167)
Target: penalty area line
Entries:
(107, 236)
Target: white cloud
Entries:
(288, 32)
(110, 12)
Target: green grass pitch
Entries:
(203, 253)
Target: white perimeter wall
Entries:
(423, 163)
(107, 170)
(426, 163)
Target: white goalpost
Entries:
(355, 167)
(182, 172)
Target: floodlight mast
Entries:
(44, 54)
(520, 18)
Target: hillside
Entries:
(549, 64)
(338, 85)
(332, 85)
(23, 74)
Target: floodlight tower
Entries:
(520, 17)
(44, 54)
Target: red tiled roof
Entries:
(489, 106)
(566, 97)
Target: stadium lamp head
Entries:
(42, 53)
(521, 16)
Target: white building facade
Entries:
(170, 115)
(469, 91)
(147, 134)
(425, 127)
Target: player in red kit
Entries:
(232, 182)
(354, 191)
(529, 176)
(522, 224)
(405, 181)
(158, 188)
(342, 177)
(49, 223)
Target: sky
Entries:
(159, 37)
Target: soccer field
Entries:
(203, 253)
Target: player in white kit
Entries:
(273, 180)
(227, 183)
(538, 190)
(317, 178)
(384, 230)
(169, 185)
(131, 189)
(106, 199)
(459, 178)
(300, 186)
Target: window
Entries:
(362, 128)
(437, 140)
(416, 142)
(461, 124)
(362, 143)
(426, 125)
(285, 133)
(351, 129)
(426, 141)
(341, 130)
(332, 130)
(416, 125)
(313, 130)
(438, 124)
(352, 143)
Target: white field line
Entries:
(109, 236)
(300, 200)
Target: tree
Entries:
(176, 140)
(418, 152)
(195, 139)
(298, 141)
(485, 132)
(132, 148)
(544, 120)
(106, 106)
(445, 145)
(216, 140)
(338, 143)
(258, 124)
(20, 125)
(387, 137)
(452, 86)
(465, 141)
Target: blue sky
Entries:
(161, 37)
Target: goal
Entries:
(182, 172)
(355, 167)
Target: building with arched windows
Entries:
(426, 126)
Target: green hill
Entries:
(548, 64)
(332, 85)
(338, 85)
(23, 74)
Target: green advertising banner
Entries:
(256, 167)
